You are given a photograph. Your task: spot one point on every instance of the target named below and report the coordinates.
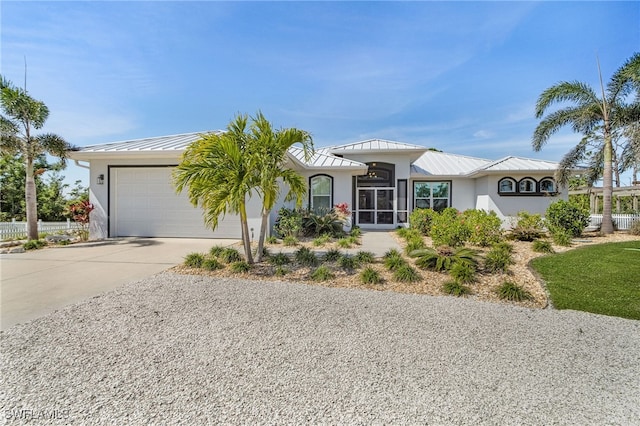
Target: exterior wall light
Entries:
(100, 180)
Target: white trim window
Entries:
(547, 185)
(527, 185)
(320, 192)
(507, 185)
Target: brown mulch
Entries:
(431, 282)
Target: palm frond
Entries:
(575, 92)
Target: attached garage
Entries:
(143, 203)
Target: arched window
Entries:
(321, 193)
(527, 185)
(547, 185)
(507, 185)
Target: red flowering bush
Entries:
(80, 212)
(342, 209)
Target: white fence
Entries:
(620, 221)
(17, 230)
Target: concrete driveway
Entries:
(38, 282)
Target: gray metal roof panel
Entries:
(376, 145)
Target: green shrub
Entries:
(542, 246)
(635, 228)
(528, 227)
(406, 274)
(279, 259)
(290, 241)
(280, 271)
(332, 255)
(414, 243)
(365, 257)
(402, 232)
(344, 243)
(565, 216)
(240, 267)
(194, 260)
(392, 253)
(463, 272)
(216, 251)
(444, 257)
(561, 237)
(370, 276)
(34, 244)
(306, 257)
(318, 224)
(484, 228)
(64, 242)
(449, 228)
(322, 273)
(348, 263)
(393, 260)
(503, 246)
(354, 240)
(421, 219)
(408, 234)
(288, 223)
(356, 232)
(271, 239)
(321, 240)
(513, 292)
(230, 255)
(455, 288)
(211, 264)
(497, 260)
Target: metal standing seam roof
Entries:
(323, 160)
(520, 163)
(435, 163)
(160, 143)
(178, 143)
(376, 145)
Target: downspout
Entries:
(77, 163)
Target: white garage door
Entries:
(144, 203)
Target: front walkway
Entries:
(377, 242)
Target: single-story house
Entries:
(382, 181)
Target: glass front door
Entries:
(375, 206)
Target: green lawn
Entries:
(603, 279)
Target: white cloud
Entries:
(483, 134)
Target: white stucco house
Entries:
(382, 181)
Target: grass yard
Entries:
(603, 279)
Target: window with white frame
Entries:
(507, 185)
(320, 192)
(527, 185)
(547, 185)
(431, 195)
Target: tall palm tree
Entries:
(218, 176)
(21, 115)
(270, 157)
(589, 112)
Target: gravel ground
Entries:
(177, 349)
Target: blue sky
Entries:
(459, 76)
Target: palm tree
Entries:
(21, 115)
(609, 112)
(270, 157)
(218, 176)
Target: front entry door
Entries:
(375, 206)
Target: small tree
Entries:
(80, 213)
